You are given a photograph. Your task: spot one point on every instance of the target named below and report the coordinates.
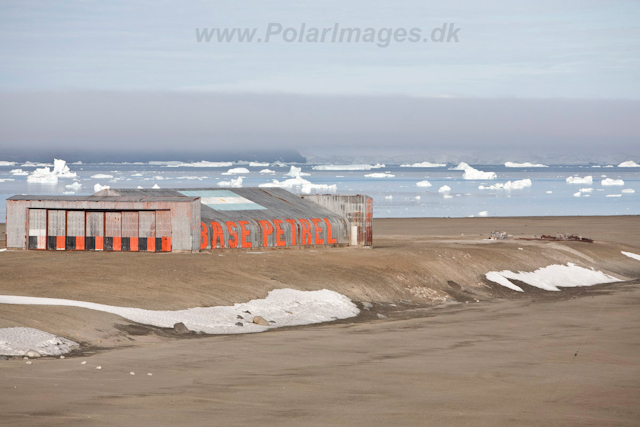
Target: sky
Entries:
(528, 77)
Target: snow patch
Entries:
(631, 255)
(18, 341)
(552, 277)
(285, 307)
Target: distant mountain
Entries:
(96, 156)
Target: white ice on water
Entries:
(202, 164)
(285, 307)
(524, 165)
(101, 176)
(258, 164)
(424, 165)
(578, 180)
(18, 341)
(610, 181)
(236, 171)
(19, 172)
(379, 175)
(629, 191)
(444, 189)
(47, 176)
(347, 167)
(423, 184)
(629, 164)
(306, 187)
(75, 186)
(233, 183)
(99, 187)
(552, 277)
(509, 185)
(471, 173)
(267, 171)
(295, 171)
(5, 163)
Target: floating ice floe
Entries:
(423, 184)
(524, 165)
(18, 172)
(99, 187)
(471, 173)
(444, 189)
(379, 175)
(613, 195)
(267, 171)
(586, 190)
(578, 180)
(202, 164)
(233, 183)
(509, 185)
(347, 167)
(258, 164)
(629, 164)
(483, 213)
(155, 187)
(552, 277)
(295, 171)
(19, 341)
(283, 307)
(48, 176)
(101, 176)
(305, 186)
(236, 171)
(389, 197)
(609, 181)
(631, 255)
(6, 179)
(5, 163)
(628, 191)
(424, 165)
(75, 186)
(137, 174)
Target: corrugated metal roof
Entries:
(122, 198)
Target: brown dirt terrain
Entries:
(507, 359)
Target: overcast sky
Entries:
(548, 74)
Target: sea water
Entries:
(393, 197)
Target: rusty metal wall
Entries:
(184, 215)
(37, 229)
(358, 209)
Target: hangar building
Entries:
(189, 219)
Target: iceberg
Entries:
(423, 184)
(347, 167)
(258, 164)
(233, 183)
(471, 173)
(101, 176)
(524, 165)
(75, 186)
(99, 187)
(609, 181)
(5, 163)
(47, 176)
(628, 191)
(18, 172)
(379, 175)
(267, 171)
(629, 164)
(515, 185)
(578, 180)
(424, 165)
(294, 171)
(444, 189)
(236, 171)
(305, 186)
